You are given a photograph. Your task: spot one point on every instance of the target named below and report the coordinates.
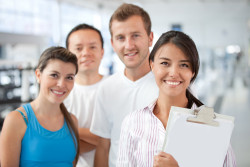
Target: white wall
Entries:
(210, 24)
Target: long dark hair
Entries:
(64, 55)
(188, 47)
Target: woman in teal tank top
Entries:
(42, 133)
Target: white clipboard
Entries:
(198, 138)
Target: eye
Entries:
(184, 65)
(92, 47)
(120, 38)
(71, 78)
(78, 49)
(54, 75)
(165, 63)
(135, 35)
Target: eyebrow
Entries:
(92, 43)
(70, 74)
(60, 73)
(78, 44)
(165, 58)
(54, 71)
(117, 35)
(134, 32)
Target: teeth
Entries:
(88, 61)
(131, 54)
(60, 93)
(173, 83)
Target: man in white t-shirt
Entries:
(86, 43)
(126, 91)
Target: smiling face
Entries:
(131, 41)
(56, 81)
(86, 45)
(172, 70)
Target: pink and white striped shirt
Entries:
(142, 137)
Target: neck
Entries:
(41, 106)
(163, 106)
(88, 78)
(136, 73)
(164, 103)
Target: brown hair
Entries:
(125, 11)
(60, 53)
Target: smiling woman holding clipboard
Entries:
(174, 61)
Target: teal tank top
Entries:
(44, 148)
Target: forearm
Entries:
(86, 147)
(88, 137)
(101, 158)
(102, 153)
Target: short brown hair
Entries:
(83, 27)
(125, 11)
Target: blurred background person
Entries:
(87, 43)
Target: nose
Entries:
(173, 71)
(85, 52)
(129, 44)
(61, 83)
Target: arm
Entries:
(87, 136)
(12, 133)
(165, 160)
(86, 147)
(102, 153)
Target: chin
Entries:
(57, 101)
(172, 93)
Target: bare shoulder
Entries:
(14, 123)
(22, 110)
(16, 118)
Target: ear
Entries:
(111, 40)
(151, 63)
(193, 75)
(102, 52)
(151, 37)
(113, 44)
(38, 75)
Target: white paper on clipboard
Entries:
(195, 144)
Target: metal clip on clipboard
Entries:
(204, 115)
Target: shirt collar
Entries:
(151, 106)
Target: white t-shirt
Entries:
(81, 102)
(118, 96)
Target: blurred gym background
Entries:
(220, 28)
